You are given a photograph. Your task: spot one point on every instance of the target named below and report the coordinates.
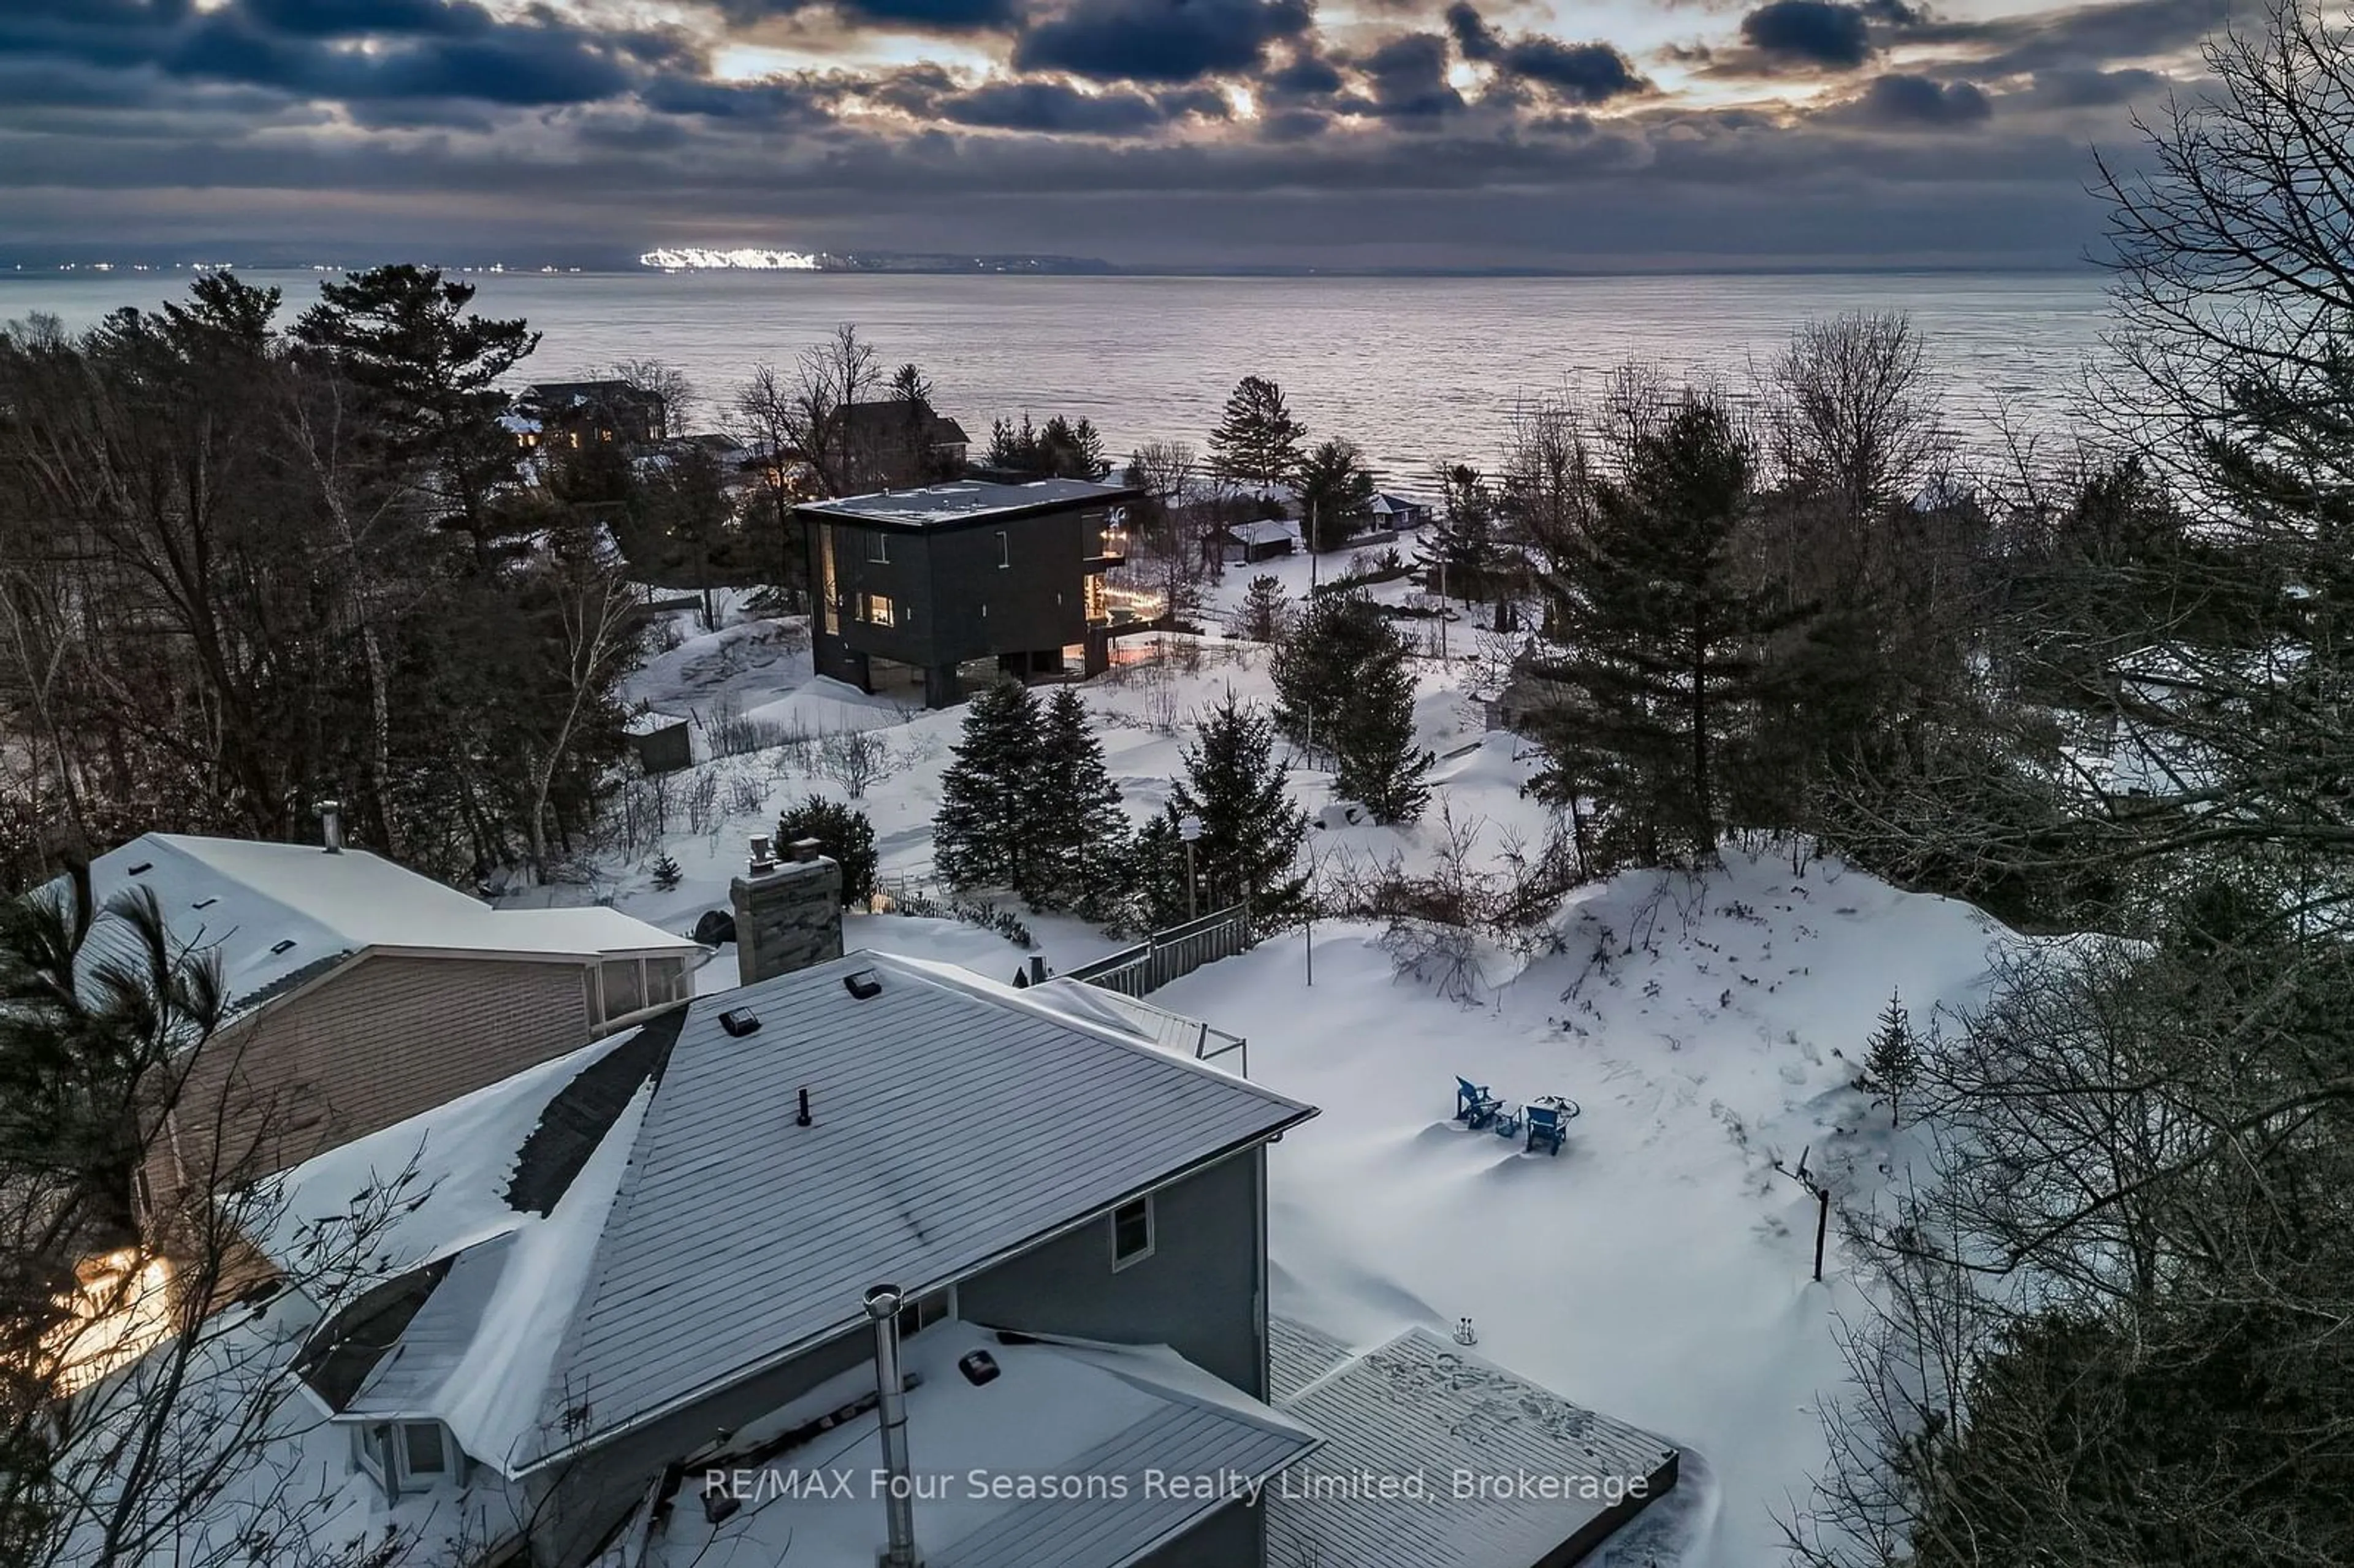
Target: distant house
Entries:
(585, 413)
(952, 584)
(1260, 541)
(1396, 511)
(895, 442)
(342, 972)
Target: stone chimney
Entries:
(787, 913)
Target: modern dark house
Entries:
(952, 583)
(895, 442)
(582, 413)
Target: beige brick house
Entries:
(361, 993)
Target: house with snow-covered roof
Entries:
(359, 992)
(634, 1308)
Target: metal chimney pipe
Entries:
(331, 825)
(883, 1303)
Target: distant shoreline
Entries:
(88, 272)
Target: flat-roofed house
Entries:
(949, 585)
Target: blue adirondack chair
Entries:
(1548, 1123)
(1475, 1108)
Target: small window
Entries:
(874, 608)
(422, 1450)
(1131, 1233)
(665, 980)
(1004, 550)
(589, 996)
(878, 546)
(623, 991)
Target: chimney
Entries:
(787, 913)
(883, 1302)
(331, 825)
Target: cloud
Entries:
(1161, 40)
(949, 16)
(1407, 76)
(1575, 73)
(1052, 107)
(1915, 102)
(1815, 32)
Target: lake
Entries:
(1413, 369)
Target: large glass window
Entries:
(623, 990)
(665, 980)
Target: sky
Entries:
(1199, 134)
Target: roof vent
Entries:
(206, 903)
(804, 850)
(740, 1021)
(863, 985)
(284, 946)
(143, 868)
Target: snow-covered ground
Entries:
(1659, 1268)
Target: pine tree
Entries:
(986, 825)
(1251, 830)
(842, 834)
(1257, 441)
(1336, 494)
(1080, 858)
(1660, 644)
(666, 872)
(1265, 610)
(1892, 1062)
(1345, 691)
(1461, 555)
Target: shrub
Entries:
(842, 832)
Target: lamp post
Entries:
(1189, 828)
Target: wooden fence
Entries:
(1161, 958)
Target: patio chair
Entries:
(1548, 1125)
(1475, 1108)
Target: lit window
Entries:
(874, 608)
(878, 546)
(1131, 1233)
(1004, 550)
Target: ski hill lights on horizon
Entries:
(693, 258)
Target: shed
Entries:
(1262, 540)
(662, 742)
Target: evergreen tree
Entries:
(844, 835)
(1345, 690)
(1265, 611)
(1251, 830)
(1257, 441)
(987, 824)
(1080, 855)
(1659, 643)
(1461, 555)
(1061, 449)
(1336, 494)
(666, 872)
(1893, 1061)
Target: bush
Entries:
(842, 832)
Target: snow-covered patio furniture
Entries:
(1548, 1123)
(1475, 1108)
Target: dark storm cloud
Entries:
(1053, 106)
(1817, 32)
(337, 18)
(1576, 73)
(1161, 40)
(1305, 75)
(1407, 77)
(2084, 36)
(1915, 102)
(950, 16)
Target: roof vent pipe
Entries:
(805, 850)
(762, 860)
(331, 825)
(883, 1303)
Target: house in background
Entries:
(1263, 540)
(895, 442)
(950, 585)
(1395, 512)
(343, 976)
(585, 413)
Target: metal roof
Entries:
(969, 500)
(953, 1124)
(1421, 1406)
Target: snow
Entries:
(1658, 1270)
